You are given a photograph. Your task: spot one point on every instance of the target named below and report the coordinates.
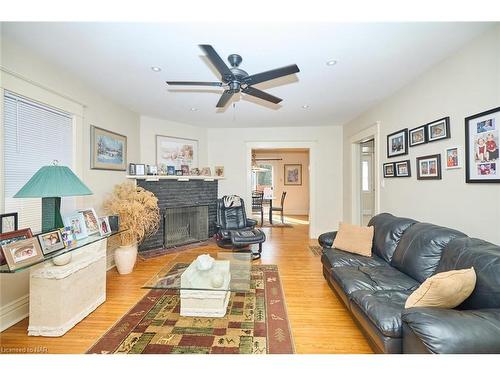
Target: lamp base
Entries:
(51, 214)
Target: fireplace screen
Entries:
(185, 225)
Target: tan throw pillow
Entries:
(354, 239)
(446, 289)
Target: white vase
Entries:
(125, 257)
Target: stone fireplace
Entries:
(188, 210)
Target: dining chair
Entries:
(280, 208)
(257, 204)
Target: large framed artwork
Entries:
(109, 150)
(397, 143)
(293, 174)
(173, 151)
(481, 147)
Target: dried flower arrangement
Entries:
(138, 210)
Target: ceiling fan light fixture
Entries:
(156, 69)
(331, 62)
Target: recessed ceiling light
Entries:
(305, 106)
(156, 69)
(331, 62)
(193, 109)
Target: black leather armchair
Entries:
(235, 230)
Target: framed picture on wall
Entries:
(389, 170)
(439, 129)
(482, 138)
(429, 167)
(293, 174)
(453, 157)
(108, 150)
(176, 151)
(397, 143)
(418, 136)
(402, 168)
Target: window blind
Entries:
(34, 136)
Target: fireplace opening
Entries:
(184, 225)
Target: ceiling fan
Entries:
(235, 79)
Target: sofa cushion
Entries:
(419, 250)
(485, 258)
(354, 239)
(339, 258)
(445, 289)
(383, 308)
(375, 278)
(388, 231)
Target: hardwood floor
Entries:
(319, 321)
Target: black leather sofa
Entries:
(404, 254)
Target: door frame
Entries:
(372, 132)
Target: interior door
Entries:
(367, 191)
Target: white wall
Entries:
(232, 149)
(464, 84)
(34, 78)
(151, 127)
(297, 196)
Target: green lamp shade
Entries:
(51, 183)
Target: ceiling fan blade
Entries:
(193, 83)
(261, 94)
(271, 74)
(216, 60)
(226, 95)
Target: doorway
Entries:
(367, 185)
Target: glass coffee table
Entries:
(205, 285)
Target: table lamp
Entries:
(51, 183)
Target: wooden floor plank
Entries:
(319, 321)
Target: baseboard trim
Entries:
(14, 312)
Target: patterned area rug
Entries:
(316, 250)
(256, 323)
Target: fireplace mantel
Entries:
(177, 178)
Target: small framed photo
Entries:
(90, 218)
(68, 236)
(114, 223)
(51, 241)
(482, 139)
(403, 168)
(22, 253)
(131, 169)
(8, 222)
(140, 169)
(219, 171)
(178, 172)
(152, 170)
(185, 169)
(9, 237)
(418, 136)
(195, 171)
(429, 167)
(293, 174)
(77, 224)
(104, 226)
(453, 157)
(206, 171)
(389, 170)
(439, 129)
(397, 143)
(170, 170)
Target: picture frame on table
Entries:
(185, 169)
(114, 223)
(439, 129)
(68, 236)
(91, 220)
(104, 226)
(219, 171)
(176, 151)
(140, 169)
(402, 168)
(482, 140)
(22, 253)
(76, 222)
(51, 241)
(453, 157)
(293, 174)
(397, 143)
(170, 170)
(9, 222)
(418, 136)
(108, 150)
(389, 170)
(206, 171)
(131, 169)
(429, 167)
(9, 237)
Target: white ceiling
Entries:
(374, 60)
